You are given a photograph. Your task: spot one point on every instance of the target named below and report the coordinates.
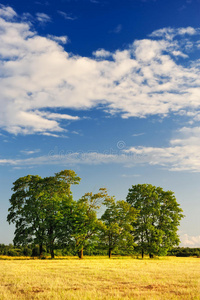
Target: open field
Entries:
(100, 278)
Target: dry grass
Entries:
(100, 278)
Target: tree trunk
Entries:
(41, 250)
(51, 241)
(109, 253)
(52, 252)
(80, 253)
(142, 253)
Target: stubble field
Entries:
(100, 278)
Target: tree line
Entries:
(45, 214)
(32, 250)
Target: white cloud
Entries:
(51, 134)
(30, 152)
(66, 16)
(59, 39)
(67, 158)
(55, 116)
(7, 12)
(189, 30)
(144, 79)
(179, 53)
(138, 134)
(8, 162)
(190, 241)
(170, 33)
(182, 155)
(43, 18)
(102, 53)
(130, 175)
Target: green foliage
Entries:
(158, 219)
(25, 210)
(184, 252)
(47, 219)
(92, 249)
(11, 250)
(117, 225)
(38, 207)
(84, 220)
(27, 251)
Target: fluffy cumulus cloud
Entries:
(37, 75)
(190, 241)
(7, 12)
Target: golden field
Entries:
(100, 278)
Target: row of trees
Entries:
(45, 214)
(184, 252)
(92, 249)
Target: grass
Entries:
(100, 278)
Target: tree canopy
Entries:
(84, 221)
(155, 229)
(46, 216)
(117, 225)
(38, 207)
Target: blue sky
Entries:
(110, 89)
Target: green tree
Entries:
(117, 225)
(84, 219)
(39, 206)
(158, 219)
(57, 202)
(26, 212)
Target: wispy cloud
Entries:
(183, 154)
(30, 152)
(68, 158)
(60, 39)
(117, 29)
(54, 135)
(66, 16)
(56, 116)
(170, 33)
(138, 134)
(130, 175)
(43, 18)
(27, 17)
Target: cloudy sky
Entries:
(110, 89)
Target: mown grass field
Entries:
(100, 278)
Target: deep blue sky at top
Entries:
(111, 24)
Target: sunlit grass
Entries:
(100, 278)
